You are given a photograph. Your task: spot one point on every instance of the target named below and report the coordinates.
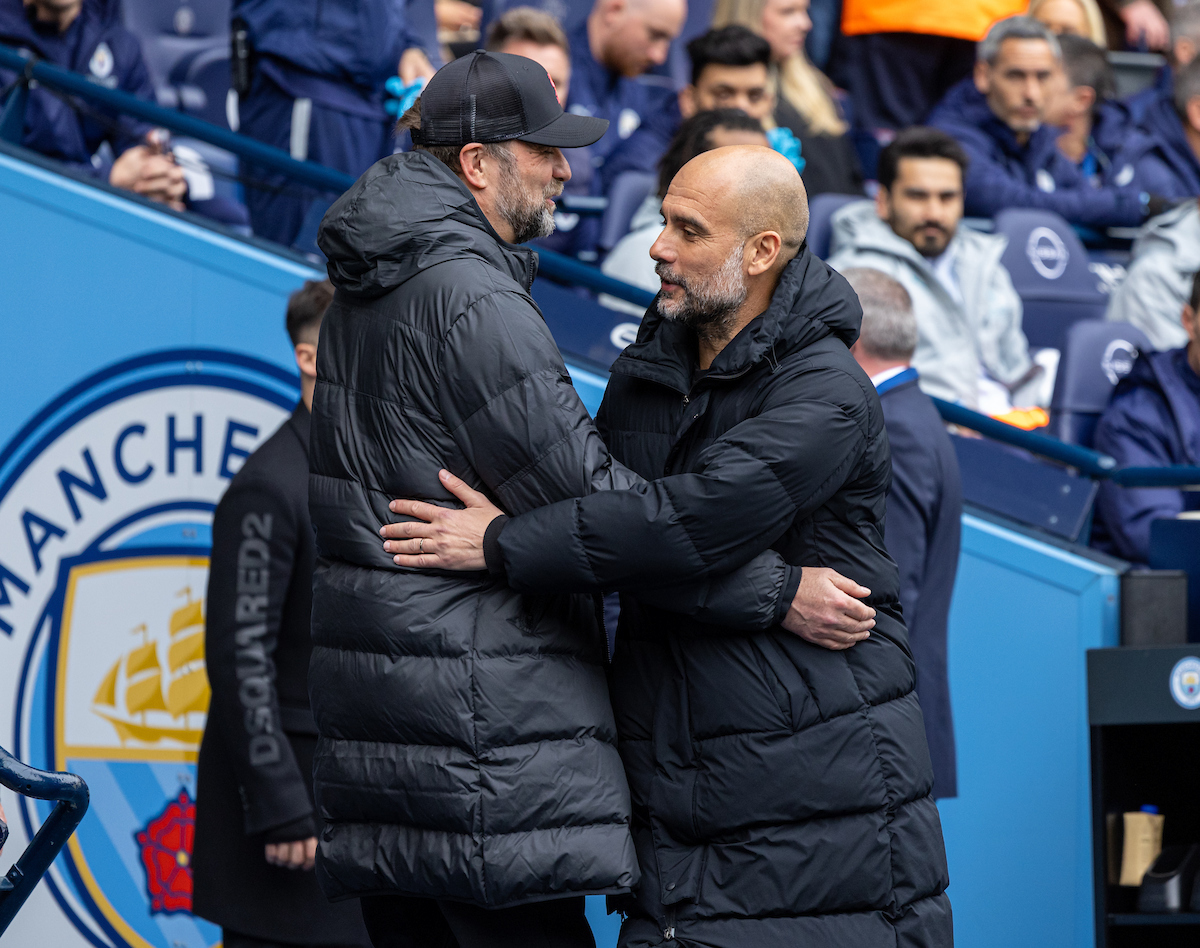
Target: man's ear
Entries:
(883, 203)
(1190, 326)
(471, 160)
(1085, 99)
(983, 77)
(306, 359)
(1184, 52)
(687, 101)
(762, 252)
(1193, 113)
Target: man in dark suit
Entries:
(256, 826)
(924, 504)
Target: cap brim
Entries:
(568, 131)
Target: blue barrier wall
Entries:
(192, 321)
(1018, 837)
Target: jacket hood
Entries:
(1177, 232)
(405, 214)
(811, 302)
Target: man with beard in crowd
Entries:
(781, 792)
(467, 770)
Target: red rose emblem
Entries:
(166, 844)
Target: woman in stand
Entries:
(804, 100)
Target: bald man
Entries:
(780, 790)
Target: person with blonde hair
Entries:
(804, 100)
(1072, 17)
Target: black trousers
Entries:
(397, 921)
(231, 939)
(895, 79)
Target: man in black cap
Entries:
(467, 771)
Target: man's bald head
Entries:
(754, 188)
(630, 37)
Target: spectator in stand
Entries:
(1175, 126)
(1152, 421)
(630, 259)
(924, 501)
(76, 35)
(620, 41)
(1000, 121)
(315, 90)
(730, 70)
(1185, 41)
(900, 56)
(256, 823)
(1071, 18)
(1096, 135)
(1165, 255)
(537, 35)
(970, 348)
(804, 100)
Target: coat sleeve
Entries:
(522, 428)
(990, 188)
(910, 504)
(1129, 432)
(748, 487)
(254, 541)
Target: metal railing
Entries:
(30, 69)
(1085, 460)
(71, 795)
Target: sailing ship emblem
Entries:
(135, 682)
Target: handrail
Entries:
(555, 265)
(72, 795)
(1089, 462)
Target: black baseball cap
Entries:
(498, 97)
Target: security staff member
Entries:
(255, 824)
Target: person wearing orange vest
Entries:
(901, 56)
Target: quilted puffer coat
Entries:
(781, 792)
(467, 744)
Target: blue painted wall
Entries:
(90, 279)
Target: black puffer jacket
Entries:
(467, 743)
(781, 791)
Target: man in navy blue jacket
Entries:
(924, 502)
(1152, 421)
(1000, 120)
(79, 36)
(1174, 123)
(316, 90)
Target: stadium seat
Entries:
(629, 189)
(820, 219)
(1095, 356)
(174, 33)
(1049, 269)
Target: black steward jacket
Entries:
(255, 773)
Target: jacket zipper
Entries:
(669, 930)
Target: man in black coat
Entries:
(255, 826)
(924, 506)
(781, 792)
(467, 770)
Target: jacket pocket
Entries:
(787, 684)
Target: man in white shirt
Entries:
(970, 346)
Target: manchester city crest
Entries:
(106, 501)
(1185, 683)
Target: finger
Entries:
(407, 530)
(416, 508)
(420, 561)
(848, 585)
(296, 854)
(270, 854)
(413, 547)
(310, 853)
(463, 491)
(858, 611)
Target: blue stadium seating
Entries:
(173, 32)
(1095, 356)
(629, 189)
(1049, 268)
(820, 225)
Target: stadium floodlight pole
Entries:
(72, 795)
(29, 68)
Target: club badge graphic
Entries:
(1185, 683)
(106, 502)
